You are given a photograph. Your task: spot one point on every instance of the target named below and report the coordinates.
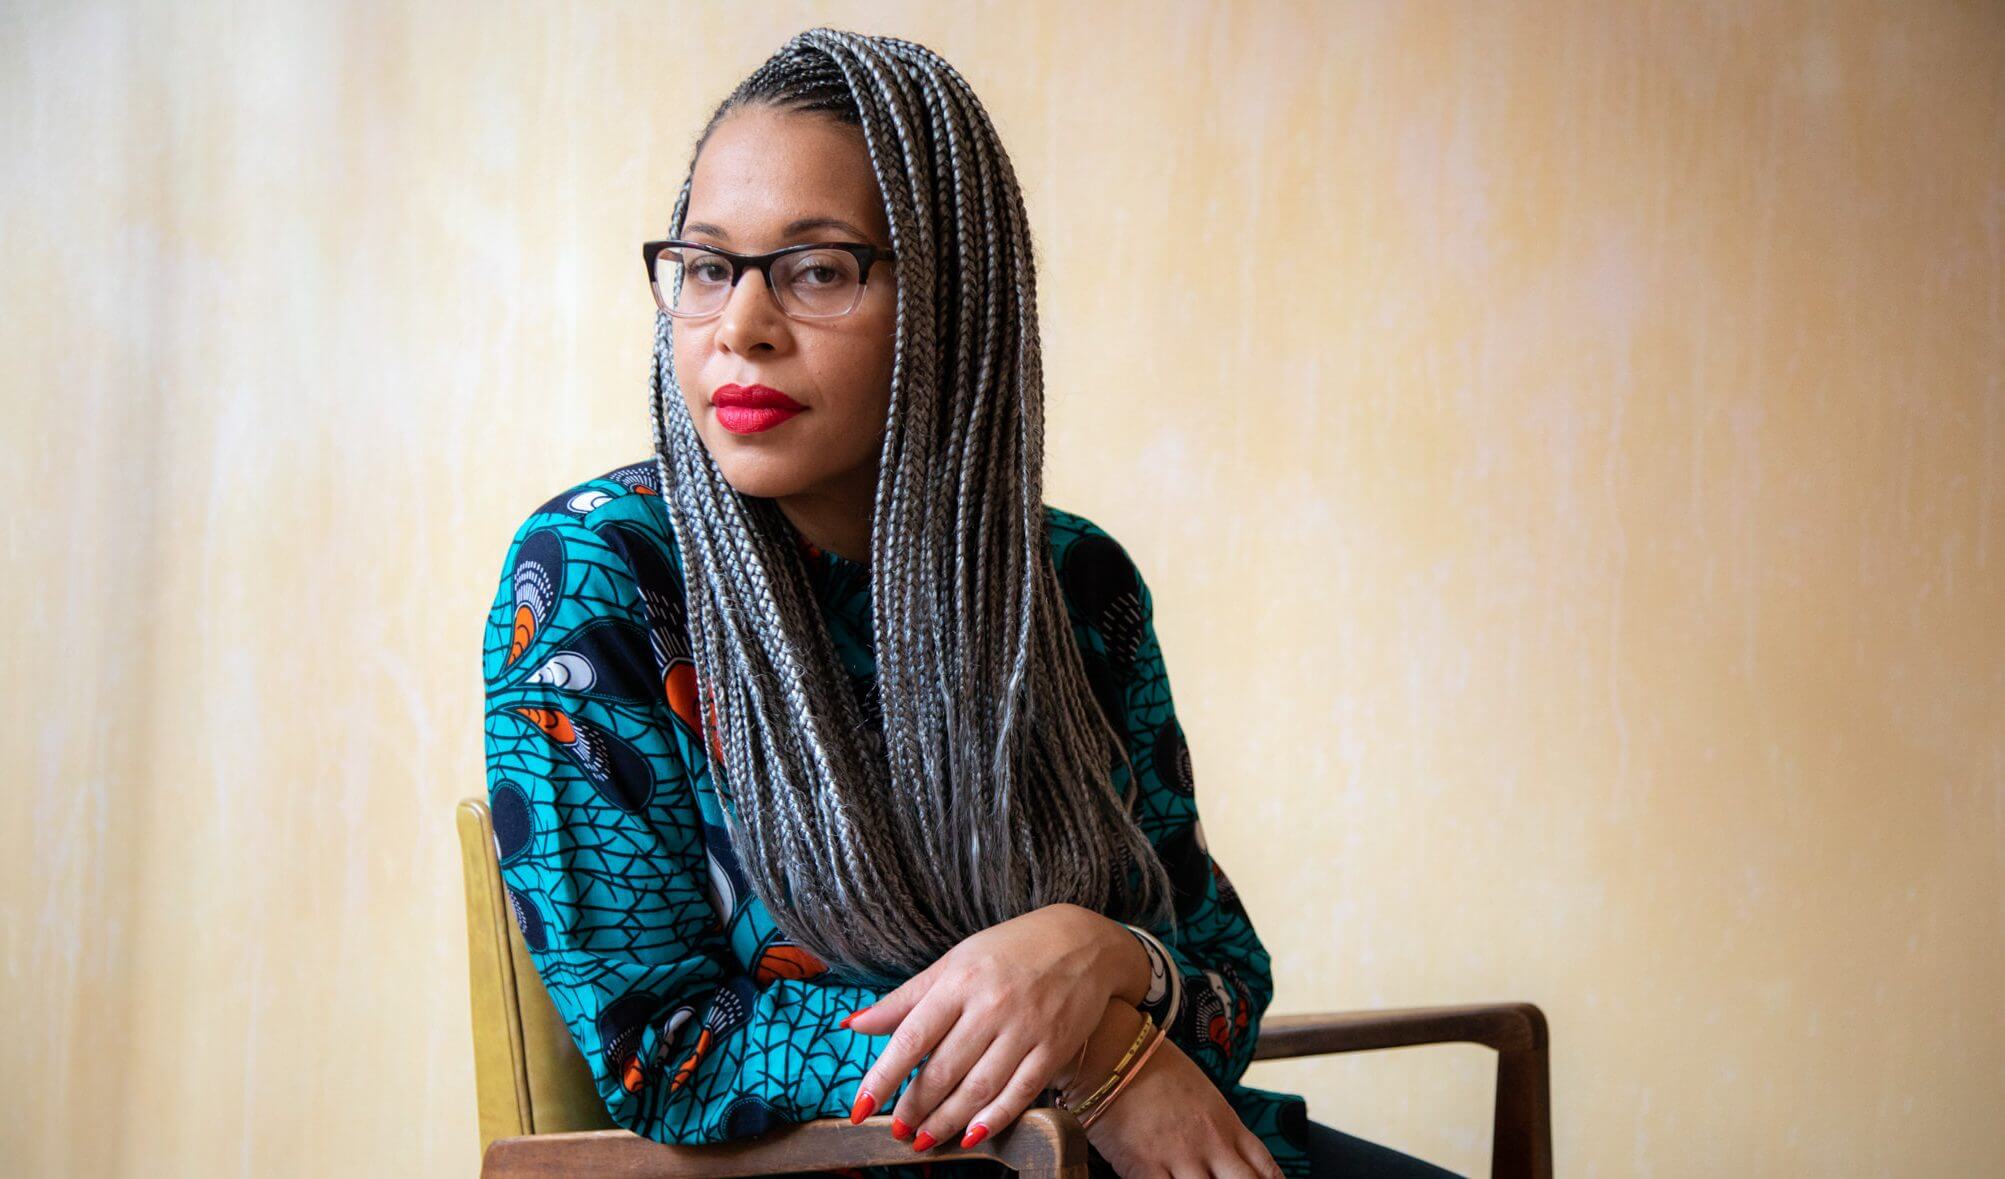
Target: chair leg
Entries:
(1521, 1147)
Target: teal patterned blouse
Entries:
(702, 1022)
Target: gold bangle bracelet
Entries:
(1113, 1078)
(1087, 1123)
(1091, 1108)
(1080, 1107)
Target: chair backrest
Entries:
(528, 1072)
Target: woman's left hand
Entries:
(996, 1019)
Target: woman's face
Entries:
(761, 171)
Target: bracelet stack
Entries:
(1097, 1102)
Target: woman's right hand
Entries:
(1171, 1120)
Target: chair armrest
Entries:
(1521, 1146)
(1506, 1027)
(1043, 1143)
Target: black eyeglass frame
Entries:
(865, 254)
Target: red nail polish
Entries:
(900, 1130)
(845, 1020)
(864, 1107)
(975, 1134)
(924, 1141)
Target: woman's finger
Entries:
(1259, 1157)
(916, 1035)
(998, 1088)
(960, 1050)
(880, 1017)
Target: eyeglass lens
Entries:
(811, 282)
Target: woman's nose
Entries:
(751, 317)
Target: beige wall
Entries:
(1565, 444)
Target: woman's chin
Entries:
(770, 477)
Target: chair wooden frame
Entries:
(540, 1114)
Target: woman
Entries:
(819, 746)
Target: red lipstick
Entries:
(748, 409)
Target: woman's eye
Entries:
(708, 271)
(820, 275)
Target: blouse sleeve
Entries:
(603, 855)
(1213, 979)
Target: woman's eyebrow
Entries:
(801, 225)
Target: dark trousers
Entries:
(1334, 1154)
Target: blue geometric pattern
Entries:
(701, 1021)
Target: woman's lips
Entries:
(748, 409)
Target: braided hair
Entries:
(988, 792)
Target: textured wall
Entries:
(1565, 444)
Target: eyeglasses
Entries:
(815, 280)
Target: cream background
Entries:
(1564, 442)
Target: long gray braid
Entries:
(989, 793)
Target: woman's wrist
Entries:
(1124, 963)
(1104, 1048)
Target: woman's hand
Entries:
(1171, 1120)
(996, 1019)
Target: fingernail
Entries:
(854, 1014)
(864, 1107)
(899, 1129)
(844, 1022)
(924, 1141)
(975, 1134)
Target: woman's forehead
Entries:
(766, 178)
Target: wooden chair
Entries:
(540, 1114)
